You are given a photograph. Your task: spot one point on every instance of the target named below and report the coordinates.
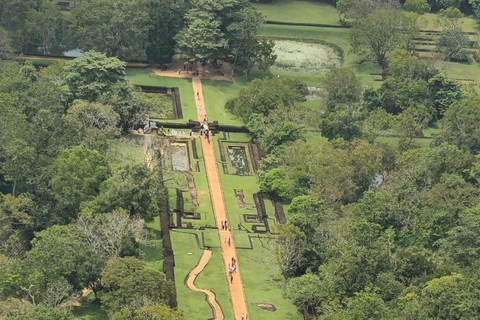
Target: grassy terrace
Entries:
(299, 11)
(147, 77)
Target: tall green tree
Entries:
(342, 86)
(6, 50)
(131, 188)
(247, 50)
(453, 43)
(417, 6)
(201, 40)
(46, 28)
(117, 28)
(18, 162)
(381, 32)
(264, 95)
(77, 175)
(60, 254)
(345, 122)
(166, 18)
(128, 283)
(306, 292)
(92, 74)
(459, 125)
(13, 124)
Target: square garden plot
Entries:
(235, 157)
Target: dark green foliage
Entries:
(463, 242)
(382, 31)
(60, 253)
(6, 51)
(454, 43)
(132, 188)
(460, 125)
(417, 6)
(263, 95)
(89, 76)
(42, 312)
(117, 28)
(128, 283)
(343, 123)
(76, 177)
(413, 82)
(224, 30)
(166, 18)
(342, 87)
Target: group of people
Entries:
(204, 131)
(174, 132)
(232, 268)
(224, 225)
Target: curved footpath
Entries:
(210, 295)
(237, 294)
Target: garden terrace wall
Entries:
(304, 24)
(279, 212)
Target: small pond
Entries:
(180, 157)
(238, 158)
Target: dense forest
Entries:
(374, 231)
(70, 215)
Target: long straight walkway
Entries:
(237, 294)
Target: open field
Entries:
(429, 21)
(213, 277)
(299, 11)
(263, 282)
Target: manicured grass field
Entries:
(263, 282)
(429, 21)
(147, 77)
(212, 277)
(216, 93)
(299, 11)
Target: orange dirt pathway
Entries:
(237, 294)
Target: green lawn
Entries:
(429, 21)
(264, 283)
(187, 97)
(212, 277)
(299, 11)
(216, 93)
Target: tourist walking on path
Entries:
(236, 290)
